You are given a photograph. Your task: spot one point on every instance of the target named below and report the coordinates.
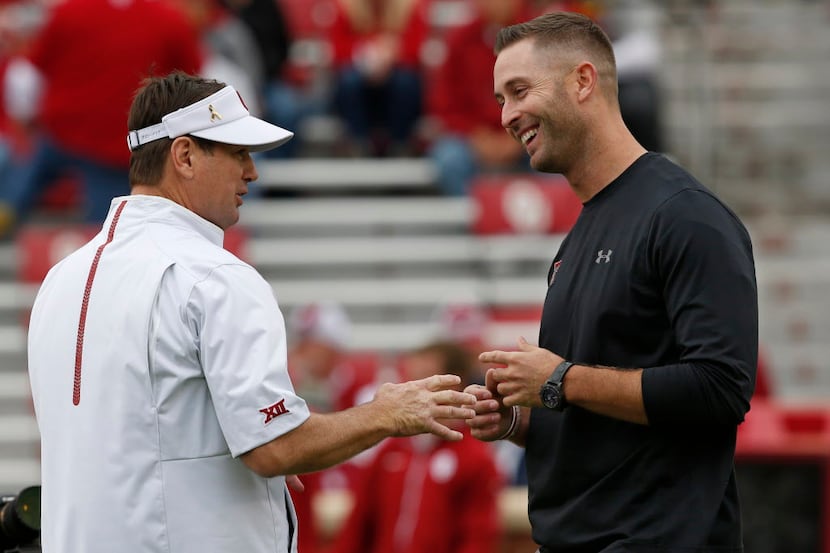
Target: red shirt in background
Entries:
(93, 55)
(426, 495)
(346, 41)
(461, 90)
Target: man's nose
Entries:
(250, 170)
(509, 115)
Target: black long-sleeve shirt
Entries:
(658, 274)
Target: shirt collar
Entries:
(143, 208)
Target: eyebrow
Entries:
(508, 85)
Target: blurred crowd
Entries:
(390, 78)
(398, 78)
(407, 495)
(357, 78)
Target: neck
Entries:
(161, 190)
(606, 156)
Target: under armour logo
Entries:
(602, 256)
(214, 115)
(273, 411)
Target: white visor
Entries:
(221, 117)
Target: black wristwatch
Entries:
(551, 393)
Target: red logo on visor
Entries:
(241, 100)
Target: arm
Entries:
(324, 440)
(703, 261)
(261, 417)
(608, 391)
(702, 255)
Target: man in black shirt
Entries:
(629, 408)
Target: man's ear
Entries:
(587, 80)
(181, 156)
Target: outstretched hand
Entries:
(420, 406)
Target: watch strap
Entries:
(559, 372)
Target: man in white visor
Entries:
(158, 359)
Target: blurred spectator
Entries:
(18, 22)
(376, 46)
(427, 495)
(321, 369)
(283, 102)
(324, 375)
(633, 27)
(88, 50)
(465, 324)
(470, 136)
(230, 49)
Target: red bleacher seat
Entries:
(62, 196)
(519, 203)
(39, 248)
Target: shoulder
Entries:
(669, 191)
(189, 250)
(658, 178)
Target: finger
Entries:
(505, 390)
(524, 345)
(441, 382)
(495, 357)
(445, 432)
(479, 391)
(451, 412)
(485, 421)
(293, 481)
(490, 380)
(454, 397)
(483, 407)
(485, 430)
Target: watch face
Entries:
(551, 396)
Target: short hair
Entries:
(455, 359)
(157, 97)
(568, 31)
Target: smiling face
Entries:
(532, 86)
(221, 179)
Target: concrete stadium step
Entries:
(339, 175)
(396, 292)
(13, 386)
(12, 340)
(16, 474)
(799, 371)
(400, 250)
(18, 428)
(318, 215)
(8, 260)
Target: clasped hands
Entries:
(516, 380)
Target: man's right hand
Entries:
(492, 417)
(418, 406)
